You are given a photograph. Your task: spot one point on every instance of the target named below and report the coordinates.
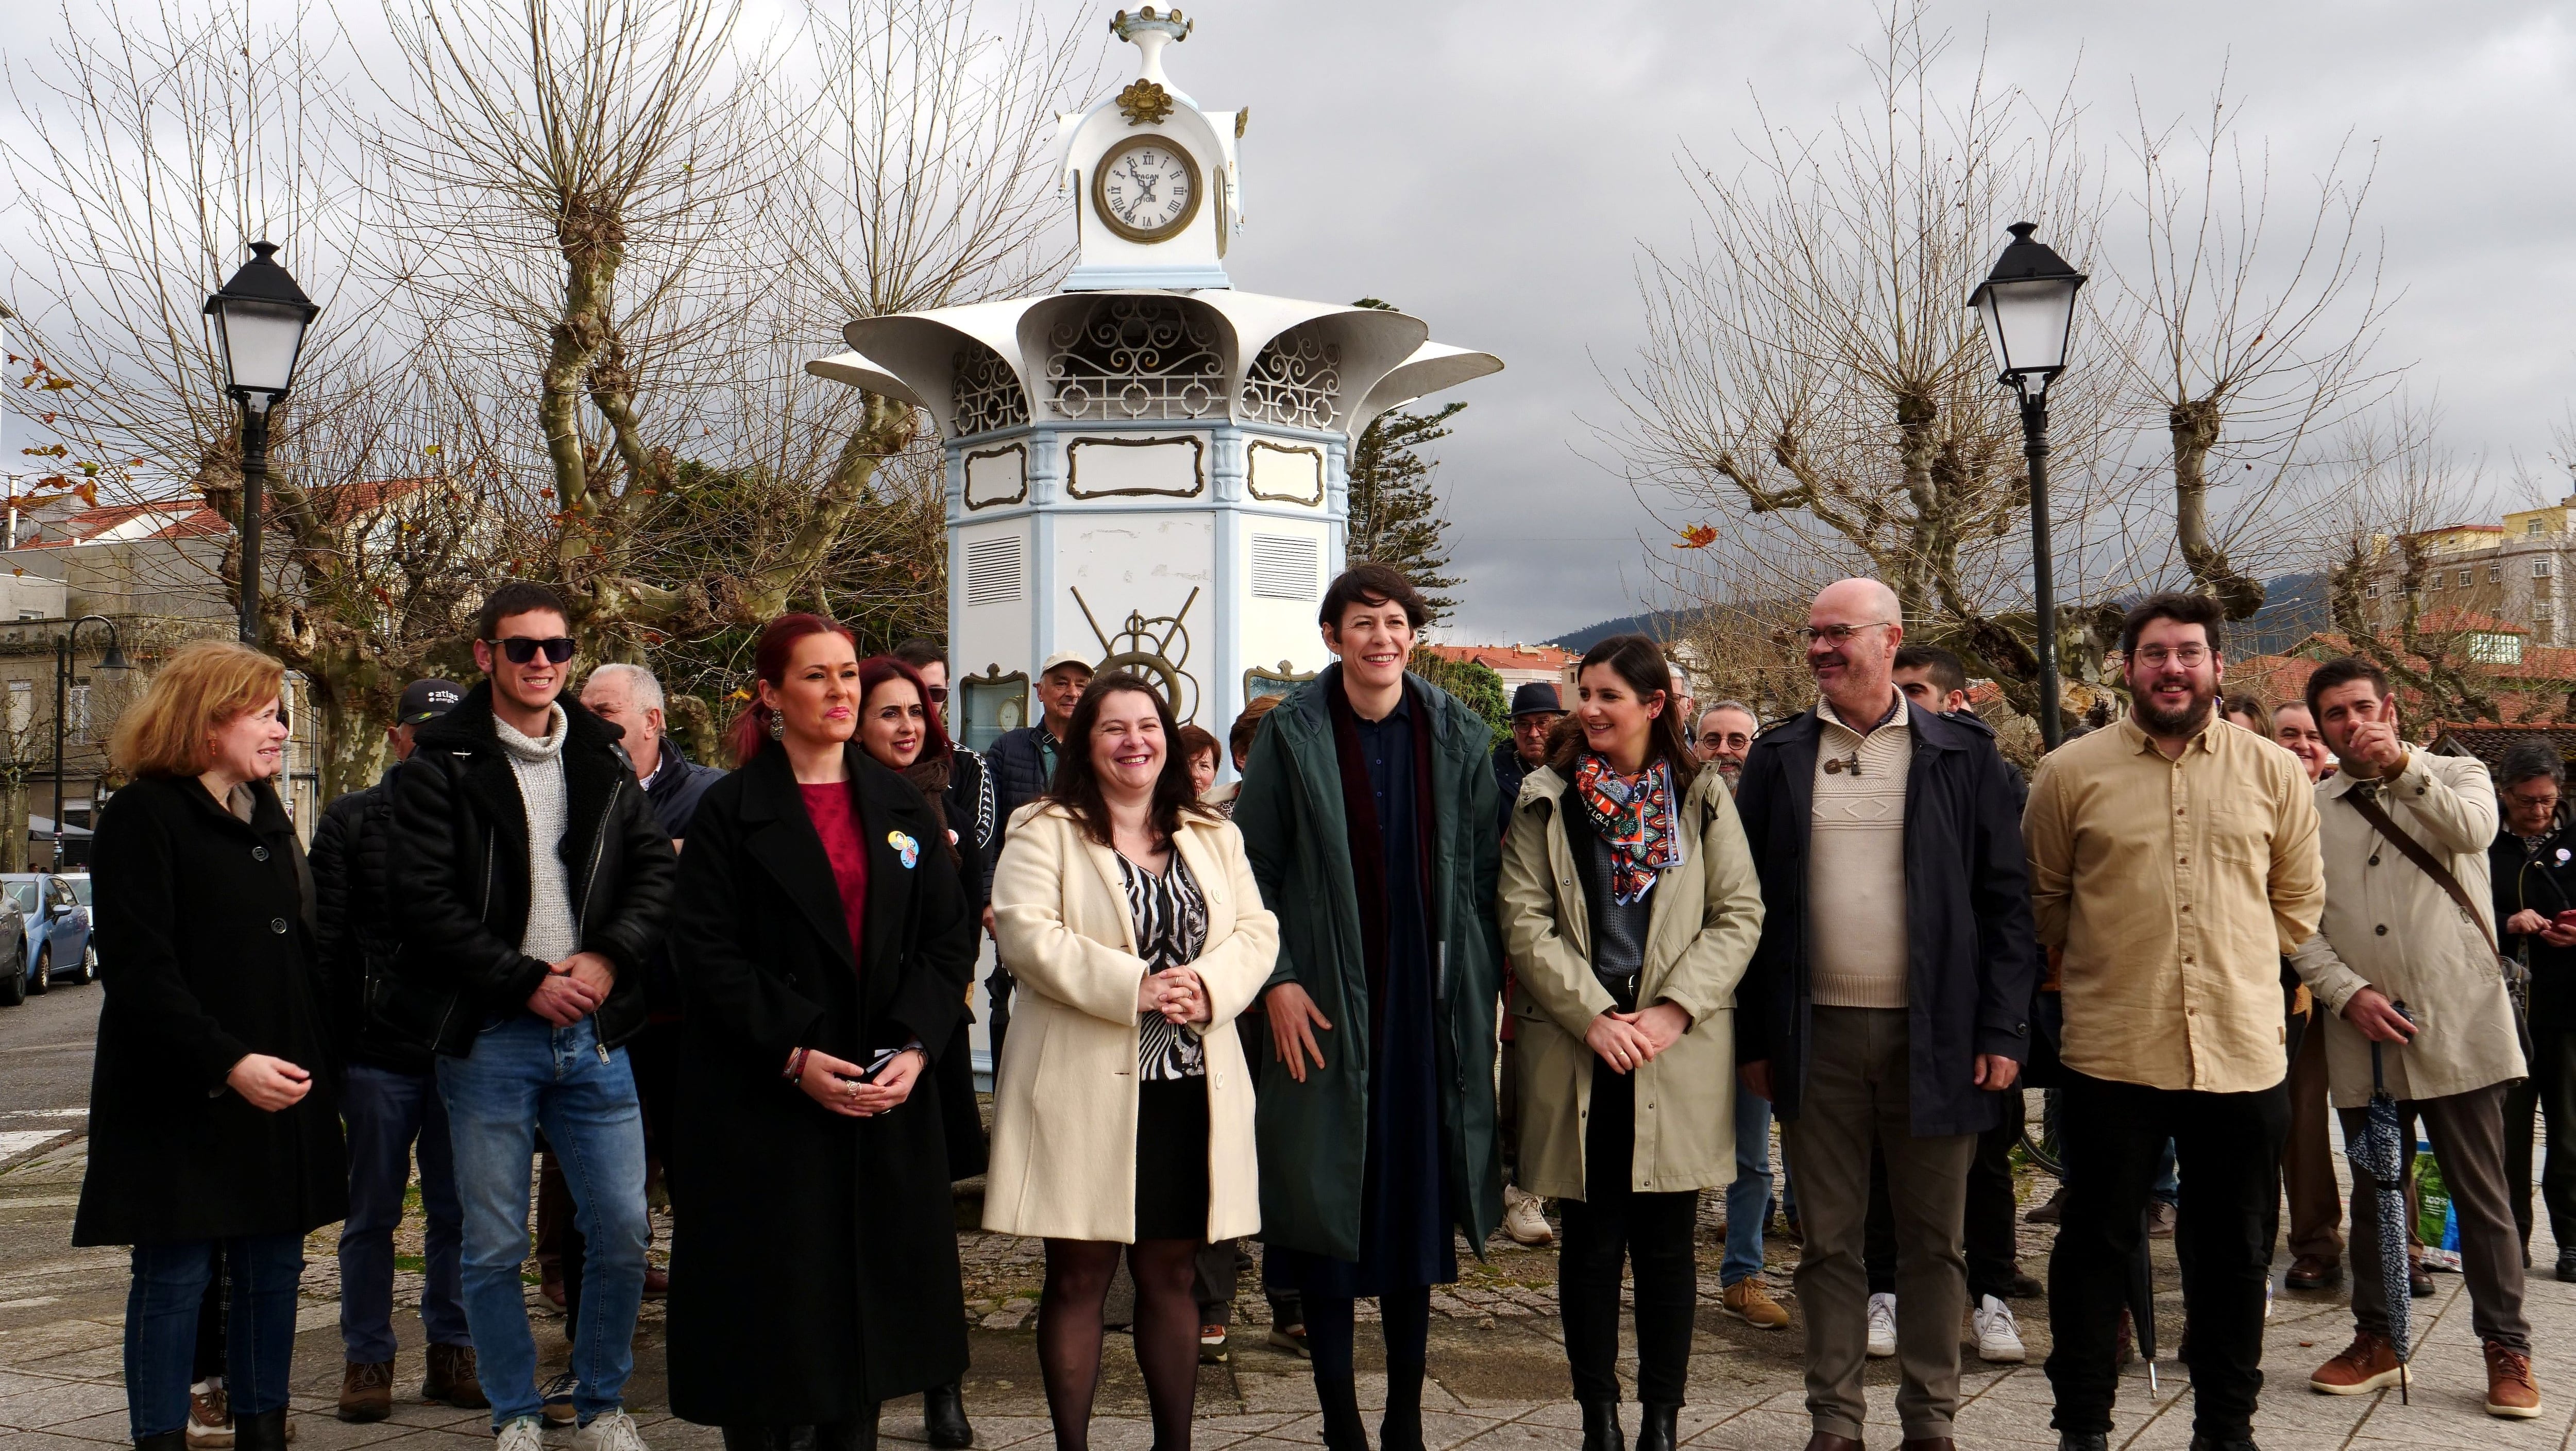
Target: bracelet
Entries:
(796, 1063)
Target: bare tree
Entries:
(2404, 482)
(2250, 346)
(1813, 375)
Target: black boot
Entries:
(263, 1432)
(1401, 1427)
(1661, 1427)
(1601, 1428)
(943, 1417)
(1339, 1399)
(164, 1441)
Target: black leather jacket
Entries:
(354, 928)
(461, 855)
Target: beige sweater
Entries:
(1856, 955)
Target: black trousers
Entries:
(2550, 1092)
(1652, 1233)
(1989, 1234)
(2229, 1147)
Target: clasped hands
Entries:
(573, 988)
(1178, 994)
(836, 1085)
(1627, 1041)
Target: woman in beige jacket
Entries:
(1124, 1117)
(1630, 908)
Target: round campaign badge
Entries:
(905, 847)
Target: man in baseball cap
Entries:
(389, 1097)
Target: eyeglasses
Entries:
(2549, 802)
(520, 649)
(2155, 657)
(1836, 635)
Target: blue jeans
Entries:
(525, 1074)
(161, 1326)
(1748, 1199)
(386, 1111)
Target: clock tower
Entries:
(1147, 467)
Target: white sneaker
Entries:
(609, 1431)
(527, 1433)
(1998, 1336)
(1522, 1217)
(1882, 1326)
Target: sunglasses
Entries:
(938, 694)
(520, 649)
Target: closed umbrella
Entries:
(2380, 1154)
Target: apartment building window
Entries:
(2464, 579)
(2370, 591)
(2540, 567)
(2531, 526)
(2437, 580)
(76, 719)
(22, 705)
(2495, 574)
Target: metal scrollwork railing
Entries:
(1295, 381)
(1135, 358)
(986, 394)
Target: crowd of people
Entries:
(1392, 989)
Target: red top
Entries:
(828, 807)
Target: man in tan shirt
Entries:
(2173, 860)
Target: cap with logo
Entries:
(427, 700)
(1536, 698)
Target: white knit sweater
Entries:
(552, 933)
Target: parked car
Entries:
(54, 933)
(13, 951)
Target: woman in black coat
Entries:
(213, 1116)
(814, 1268)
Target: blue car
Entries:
(54, 935)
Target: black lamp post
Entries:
(114, 660)
(260, 317)
(2028, 306)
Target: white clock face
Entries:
(1147, 190)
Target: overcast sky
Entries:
(1494, 166)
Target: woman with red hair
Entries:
(826, 942)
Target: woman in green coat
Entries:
(1630, 908)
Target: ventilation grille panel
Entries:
(1286, 566)
(993, 571)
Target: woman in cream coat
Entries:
(1124, 1114)
(1630, 908)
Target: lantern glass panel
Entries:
(2027, 322)
(259, 341)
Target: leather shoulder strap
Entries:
(2365, 801)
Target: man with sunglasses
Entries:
(536, 879)
(1888, 1002)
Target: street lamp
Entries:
(114, 660)
(2028, 306)
(260, 317)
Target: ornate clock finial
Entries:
(1149, 33)
(1144, 103)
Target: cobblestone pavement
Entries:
(1497, 1360)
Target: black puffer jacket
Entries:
(461, 854)
(354, 932)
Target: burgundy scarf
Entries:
(1359, 821)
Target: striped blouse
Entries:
(1171, 930)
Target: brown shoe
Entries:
(2314, 1272)
(367, 1390)
(1749, 1302)
(2368, 1364)
(2510, 1392)
(452, 1379)
(2048, 1212)
(657, 1281)
(2160, 1220)
(210, 1421)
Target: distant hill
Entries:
(2294, 607)
(1661, 625)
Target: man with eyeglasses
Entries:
(536, 880)
(1724, 737)
(2173, 860)
(1888, 1003)
(2533, 864)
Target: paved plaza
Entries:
(1498, 1368)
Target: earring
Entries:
(777, 726)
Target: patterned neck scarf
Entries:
(1634, 815)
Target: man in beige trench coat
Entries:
(2405, 924)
